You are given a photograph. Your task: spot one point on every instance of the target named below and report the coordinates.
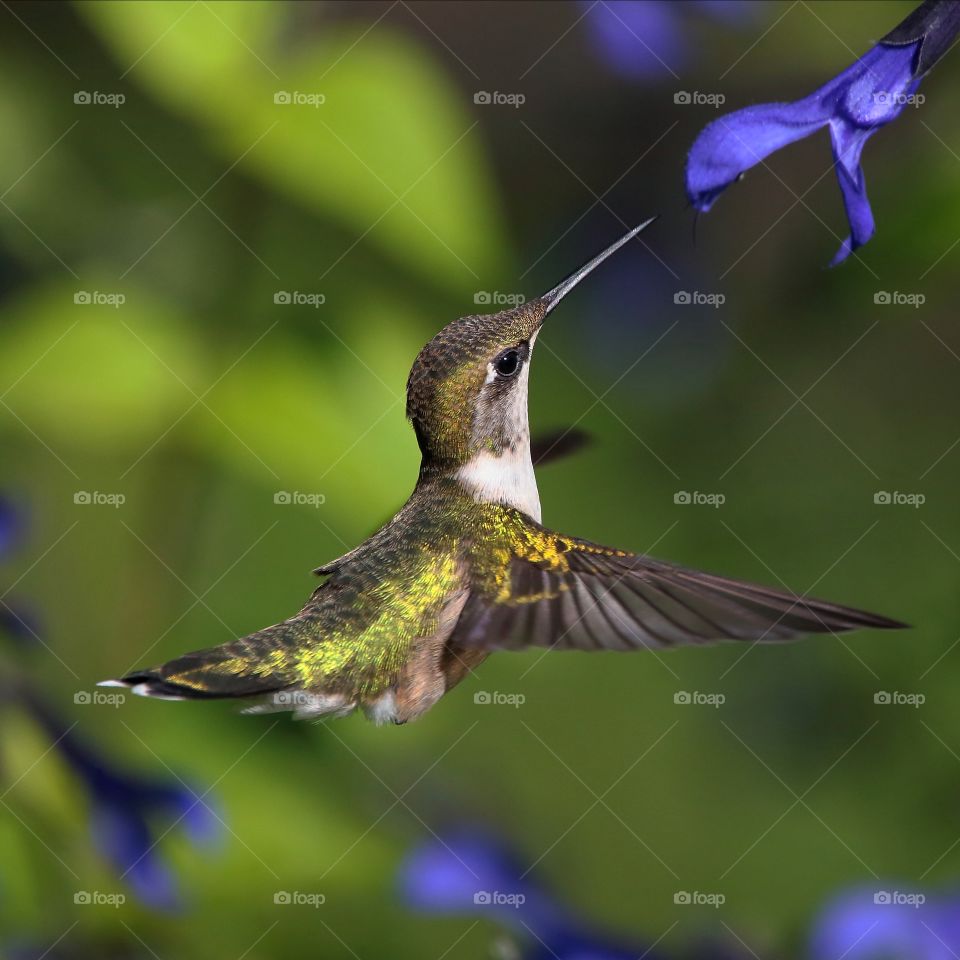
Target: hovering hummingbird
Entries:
(466, 567)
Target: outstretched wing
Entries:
(567, 593)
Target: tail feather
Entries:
(254, 666)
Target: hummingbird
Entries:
(466, 567)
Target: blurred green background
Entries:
(400, 202)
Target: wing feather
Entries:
(573, 594)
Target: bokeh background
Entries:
(279, 266)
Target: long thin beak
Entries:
(553, 297)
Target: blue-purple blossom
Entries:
(638, 38)
(854, 105)
(126, 809)
(642, 39)
(19, 623)
(11, 526)
(888, 925)
(468, 871)
(15, 621)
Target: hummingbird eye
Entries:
(507, 363)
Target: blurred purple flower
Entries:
(638, 38)
(469, 871)
(18, 623)
(465, 872)
(854, 105)
(645, 38)
(883, 925)
(11, 526)
(14, 621)
(124, 807)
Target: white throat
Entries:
(507, 478)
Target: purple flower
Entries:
(469, 871)
(11, 526)
(854, 105)
(645, 38)
(17, 623)
(638, 38)
(888, 925)
(125, 808)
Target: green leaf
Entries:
(390, 151)
(299, 423)
(81, 373)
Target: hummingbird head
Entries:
(467, 392)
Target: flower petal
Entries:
(447, 874)
(124, 838)
(638, 38)
(199, 818)
(738, 141)
(470, 871)
(124, 809)
(874, 90)
(11, 525)
(847, 146)
(865, 924)
(19, 624)
(870, 93)
(644, 39)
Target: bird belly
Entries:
(423, 679)
(306, 705)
